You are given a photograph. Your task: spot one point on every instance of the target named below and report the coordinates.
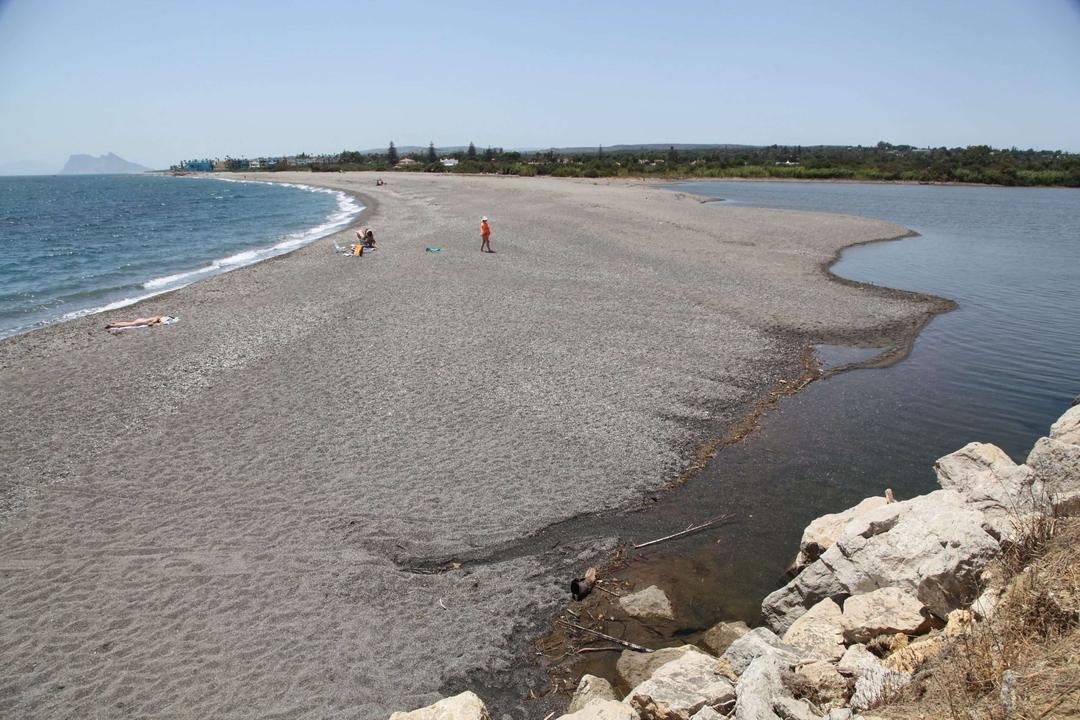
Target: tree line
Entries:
(881, 162)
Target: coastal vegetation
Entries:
(882, 162)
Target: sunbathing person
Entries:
(141, 322)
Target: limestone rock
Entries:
(933, 545)
(603, 710)
(1055, 465)
(635, 668)
(857, 660)
(909, 658)
(759, 641)
(839, 714)
(822, 684)
(706, 713)
(652, 602)
(466, 706)
(815, 583)
(590, 689)
(876, 685)
(819, 632)
(820, 534)
(758, 688)
(720, 636)
(1067, 427)
(885, 611)
(680, 688)
(1055, 462)
(788, 708)
(985, 605)
(988, 480)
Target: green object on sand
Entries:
(433, 249)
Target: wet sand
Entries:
(235, 516)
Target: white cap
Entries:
(484, 217)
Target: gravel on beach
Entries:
(236, 515)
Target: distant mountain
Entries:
(105, 165)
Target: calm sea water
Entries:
(75, 245)
(1001, 368)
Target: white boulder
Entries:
(466, 706)
(680, 688)
(882, 612)
(876, 685)
(857, 660)
(819, 633)
(820, 534)
(759, 641)
(933, 545)
(635, 668)
(652, 602)
(603, 710)
(758, 687)
(590, 689)
(720, 636)
(988, 480)
(820, 682)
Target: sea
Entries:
(76, 245)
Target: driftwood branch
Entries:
(633, 646)
(683, 533)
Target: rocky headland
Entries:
(886, 595)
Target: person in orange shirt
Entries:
(485, 235)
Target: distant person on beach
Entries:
(140, 322)
(485, 235)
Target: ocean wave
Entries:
(114, 305)
(347, 210)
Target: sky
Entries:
(157, 82)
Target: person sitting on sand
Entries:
(140, 322)
(365, 238)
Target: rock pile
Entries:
(879, 588)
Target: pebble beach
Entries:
(314, 496)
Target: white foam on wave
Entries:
(114, 305)
(347, 210)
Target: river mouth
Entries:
(999, 369)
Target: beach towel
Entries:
(169, 320)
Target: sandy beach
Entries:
(233, 516)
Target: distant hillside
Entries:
(105, 165)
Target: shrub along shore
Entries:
(978, 164)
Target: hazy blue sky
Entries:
(156, 82)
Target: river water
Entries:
(1000, 368)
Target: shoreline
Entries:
(423, 197)
(149, 286)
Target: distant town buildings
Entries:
(261, 163)
(449, 162)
